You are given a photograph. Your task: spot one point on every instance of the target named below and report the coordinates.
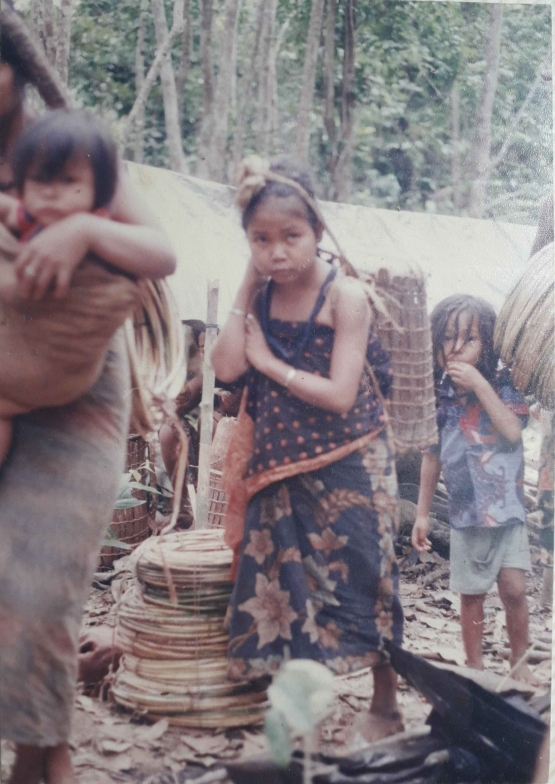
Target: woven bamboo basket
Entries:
(131, 526)
(170, 626)
(217, 500)
(524, 333)
(412, 406)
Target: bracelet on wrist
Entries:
(291, 373)
(238, 312)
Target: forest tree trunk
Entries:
(206, 56)
(184, 61)
(344, 167)
(329, 72)
(138, 148)
(215, 125)
(247, 83)
(169, 92)
(42, 15)
(309, 78)
(455, 145)
(267, 73)
(162, 55)
(63, 38)
(481, 148)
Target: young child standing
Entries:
(316, 576)
(480, 419)
(58, 322)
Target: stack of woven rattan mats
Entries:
(171, 629)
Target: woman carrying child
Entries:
(480, 453)
(316, 575)
(59, 481)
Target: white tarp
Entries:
(458, 255)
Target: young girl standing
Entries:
(480, 419)
(317, 576)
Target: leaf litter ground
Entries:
(111, 745)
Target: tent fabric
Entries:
(457, 255)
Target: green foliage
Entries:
(126, 500)
(408, 57)
(128, 483)
(299, 698)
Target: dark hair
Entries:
(47, 145)
(197, 326)
(21, 52)
(293, 171)
(10, 54)
(485, 316)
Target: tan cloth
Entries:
(53, 350)
(57, 492)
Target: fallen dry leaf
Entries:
(153, 733)
(113, 746)
(211, 745)
(451, 655)
(86, 703)
(183, 754)
(434, 623)
(115, 762)
(427, 634)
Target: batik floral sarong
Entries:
(317, 577)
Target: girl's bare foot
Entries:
(28, 767)
(375, 726)
(58, 765)
(525, 675)
(384, 718)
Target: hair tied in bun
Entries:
(251, 178)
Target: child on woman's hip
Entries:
(480, 453)
(60, 310)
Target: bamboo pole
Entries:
(207, 409)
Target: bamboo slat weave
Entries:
(171, 630)
(406, 336)
(524, 334)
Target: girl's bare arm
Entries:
(429, 477)
(133, 241)
(228, 355)
(8, 211)
(338, 392)
(504, 420)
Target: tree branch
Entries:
(516, 119)
(154, 70)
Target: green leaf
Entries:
(275, 728)
(116, 543)
(146, 488)
(128, 503)
(301, 692)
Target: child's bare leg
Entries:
(384, 698)
(472, 625)
(58, 765)
(28, 767)
(384, 718)
(512, 591)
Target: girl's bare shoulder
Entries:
(348, 293)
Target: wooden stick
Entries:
(207, 409)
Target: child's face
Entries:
(71, 191)
(461, 342)
(282, 241)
